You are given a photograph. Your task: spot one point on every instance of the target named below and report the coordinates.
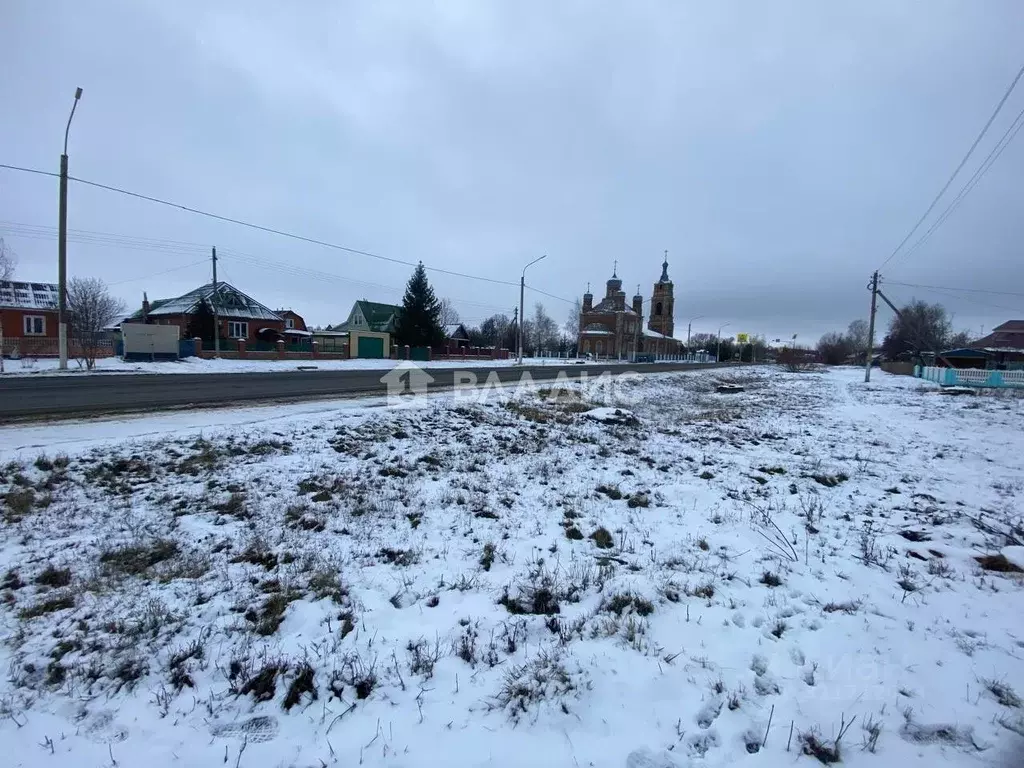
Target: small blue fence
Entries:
(970, 377)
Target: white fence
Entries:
(970, 377)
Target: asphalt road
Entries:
(26, 397)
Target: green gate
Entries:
(370, 346)
(419, 353)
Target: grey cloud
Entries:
(778, 150)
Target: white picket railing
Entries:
(971, 377)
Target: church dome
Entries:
(614, 283)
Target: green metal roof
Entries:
(376, 313)
(378, 316)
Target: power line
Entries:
(29, 170)
(111, 236)
(949, 288)
(945, 293)
(40, 232)
(963, 162)
(157, 274)
(1004, 141)
(259, 227)
(165, 246)
(295, 270)
(549, 295)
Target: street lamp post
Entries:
(62, 246)
(718, 349)
(522, 289)
(636, 335)
(689, 323)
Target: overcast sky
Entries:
(778, 150)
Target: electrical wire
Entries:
(963, 162)
(73, 237)
(549, 295)
(282, 233)
(987, 304)
(298, 271)
(971, 183)
(950, 288)
(157, 274)
(21, 228)
(29, 170)
(258, 227)
(39, 231)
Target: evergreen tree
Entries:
(201, 323)
(420, 322)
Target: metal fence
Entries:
(46, 347)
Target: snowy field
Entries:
(811, 570)
(48, 366)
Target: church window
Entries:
(657, 309)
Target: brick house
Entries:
(295, 330)
(613, 329)
(1008, 336)
(1001, 349)
(292, 320)
(240, 317)
(28, 319)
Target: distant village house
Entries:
(28, 319)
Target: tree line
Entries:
(424, 317)
(918, 328)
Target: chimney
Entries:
(145, 307)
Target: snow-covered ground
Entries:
(48, 366)
(691, 578)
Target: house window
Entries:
(657, 308)
(289, 323)
(237, 330)
(35, 325)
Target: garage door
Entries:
(370, 347)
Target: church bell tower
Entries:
(662, 304)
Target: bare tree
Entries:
(920, 327)
(834, 348)
(497, 331)
(960, 339)
(857, 337)
(449, 314)
(572, 323)
(795, 360)
(8, 261)
(91, 308)
(544, 335)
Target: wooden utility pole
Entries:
(213, 303)
(871, 328)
